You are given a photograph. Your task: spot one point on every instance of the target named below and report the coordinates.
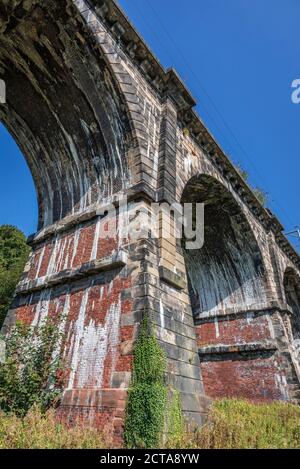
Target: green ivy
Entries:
(30, 372)
(175, 420)
(147, 396)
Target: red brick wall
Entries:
(252, 375)
(256, 379)
(101, 297)
(93, 341)
(71, 249)
(234, 331)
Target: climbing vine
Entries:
(175, 420)
(30, 372)
(147, 396)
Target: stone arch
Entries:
(228, 272)
(291, 283)
(64, 108)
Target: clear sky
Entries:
(238, 58)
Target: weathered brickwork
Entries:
(233, 330)
(256, 378)
(98, 118)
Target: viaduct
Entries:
(97, 119)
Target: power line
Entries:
(173, 60)
(248, 157)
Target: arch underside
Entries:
(292, 292)
(63, 107)
(228, 271)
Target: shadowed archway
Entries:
(228, 271)
(291, 284)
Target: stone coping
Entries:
(175, 280)
(116, 260)
(220, 349)
(254, 308)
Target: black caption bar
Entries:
(135, 458)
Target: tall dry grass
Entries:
(42, 431)
(232, 424)
(239, 424)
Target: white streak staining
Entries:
(42, 308)
(281, 384)
(271, 327)
(123, 228)
(63, 253)
(41, 257)
(75, 156)
(217, 328)
(61, 326)
(75, 244)
(155, 162)
(77, 336)
(55, 251)
(151, 117)
(48, 198)
(92, 344)
(188, 161)
(67, 256)
(96, 239)
(161, 314)
(249, 317)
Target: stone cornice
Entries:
(255, 309)
(254, 347)
(115, 261)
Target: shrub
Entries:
(30, 373)
(147, 396)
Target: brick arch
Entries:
(291, 283)
(65, 108)
(228, 272)
(126, 83)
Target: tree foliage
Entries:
(13, 256)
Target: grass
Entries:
(42, 431)
(232, 424)
(239, 424)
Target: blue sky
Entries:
(238, 58)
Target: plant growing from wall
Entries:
(30, 372)
(147, 396)
(175, 422)
(261, 195)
